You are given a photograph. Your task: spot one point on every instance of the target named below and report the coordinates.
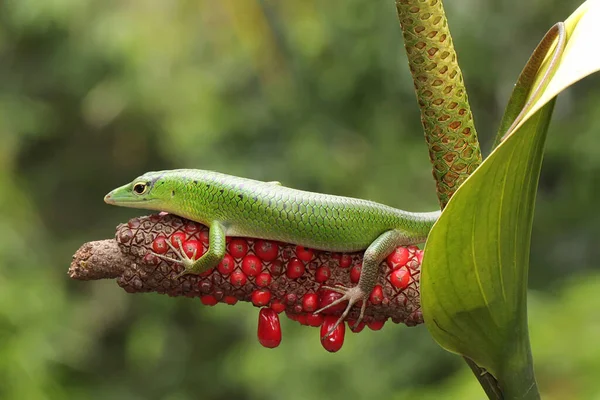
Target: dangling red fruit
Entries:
(208, 300)
(269, 328)
(333, 342)
(376, 325)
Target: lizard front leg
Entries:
(209, 260)
(374, 255)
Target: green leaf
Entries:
(474, 282)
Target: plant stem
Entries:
(446, 115)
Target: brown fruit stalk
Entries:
(274, 275)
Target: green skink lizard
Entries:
(232, 206)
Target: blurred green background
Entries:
(315, 94)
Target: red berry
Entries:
(356, 328)
(226, 265)
(261, 297)
(204, 238)
(398, 258)
(355, 273)
(376, 325)
(419, 254)
(193, 249)
(310, 301)
(277, 306)
(345, 260)
(315, 319)
(159, 245)
(400, 278)
(302, 319)
(263, 279)
(251, 265)
(208, 300)
(327, 297)
(322, 274)
(238, 278)
(295, 269)
(266, 249)
(333, 342)
(177, 239)
(269, 329)
(276, 268)
(376, 296)
(304, 253)
(237, 248)
(231, 300)
(291, 299)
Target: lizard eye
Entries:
(140, 188)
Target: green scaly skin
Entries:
(233, 206)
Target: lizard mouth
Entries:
(117, 199)
(108, 199)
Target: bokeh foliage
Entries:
(311, 93)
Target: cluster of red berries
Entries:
(274, 276)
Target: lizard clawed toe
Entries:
(352, 295)
(184, 260)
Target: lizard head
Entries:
(150, 191)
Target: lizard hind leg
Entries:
(374, 255)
